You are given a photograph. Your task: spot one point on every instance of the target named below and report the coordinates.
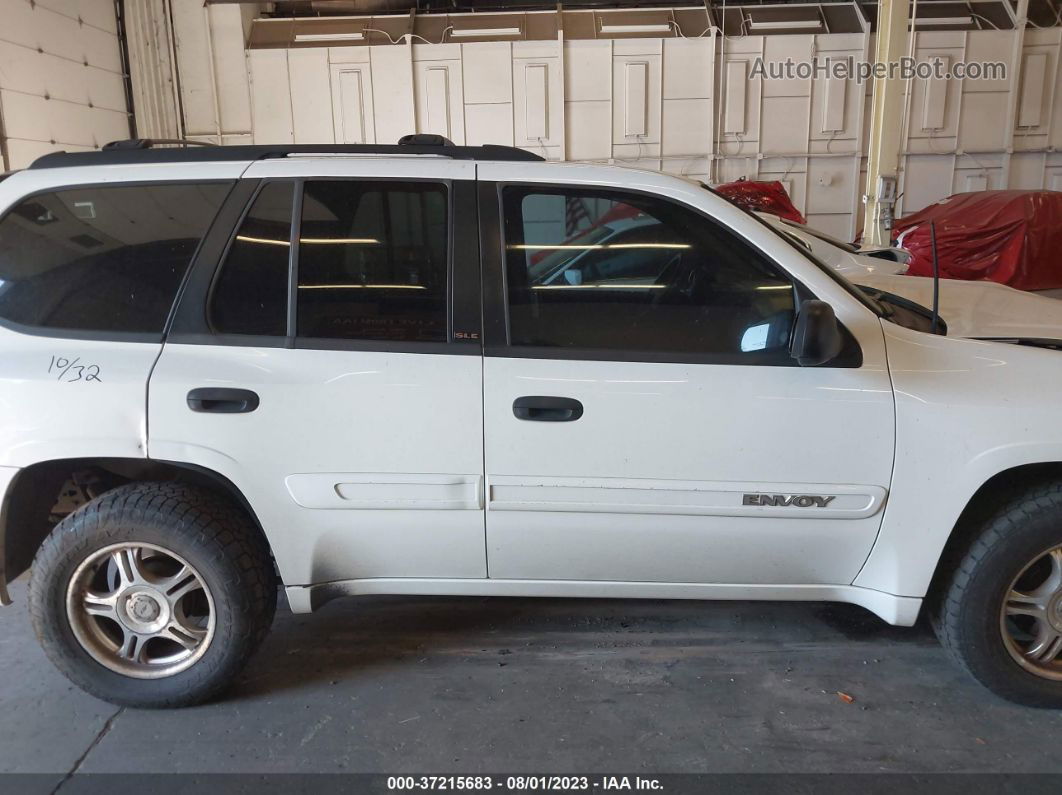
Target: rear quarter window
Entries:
(106, 259)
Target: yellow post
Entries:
(886, 123)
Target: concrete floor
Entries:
(451, 685)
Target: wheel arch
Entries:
(27, 512)
(988, 496)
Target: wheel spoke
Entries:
(1047, 645)
(127, 561)
(1053, 582)
(1022, 604)
(186, 636)
(99, 605)
(179, 585)
(132, 647)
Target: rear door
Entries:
(644, 420)
(90, 263)
(325, 359)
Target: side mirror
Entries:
(817, 338)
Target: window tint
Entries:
(250, 295)
(611, 271)
(373, 261)
(106, 259)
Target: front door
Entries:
(644, 420)
(314, 363)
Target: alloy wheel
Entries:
(140, 610)
(1031, 617)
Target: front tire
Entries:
(999, 612)
(153, 595)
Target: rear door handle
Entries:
(547, 409)
(222, 401)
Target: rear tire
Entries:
(999, 611)
(153, 594)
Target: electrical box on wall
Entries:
(886, 193)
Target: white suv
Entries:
(357, 369)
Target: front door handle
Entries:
(222, 401)
(547, 409)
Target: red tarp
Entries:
(762, 197)
(1013, 237)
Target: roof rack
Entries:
(148, 143)
(145, 151)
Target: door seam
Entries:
(482, 377)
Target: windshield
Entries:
(850, 288)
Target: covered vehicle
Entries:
(1008, 236)
(761, 197)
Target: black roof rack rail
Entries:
(149, 143)
(145, 151)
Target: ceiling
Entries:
(837, 15)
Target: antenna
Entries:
(936, 277)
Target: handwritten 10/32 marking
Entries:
(68, 371)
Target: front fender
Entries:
(966, 411)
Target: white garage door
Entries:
(61, 81)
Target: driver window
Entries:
(604, 270)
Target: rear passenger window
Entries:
(373, 261)
(250, 295)
(102, 259)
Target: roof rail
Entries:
(425, 139)
(146, 150)
(149, 143)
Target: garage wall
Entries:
(683, 105)
(645, 102)
(980, 135)
(61, 84)
(212, 66)
(580, 100)
(809, 134)
(959, 136)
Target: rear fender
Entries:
(7, 475)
